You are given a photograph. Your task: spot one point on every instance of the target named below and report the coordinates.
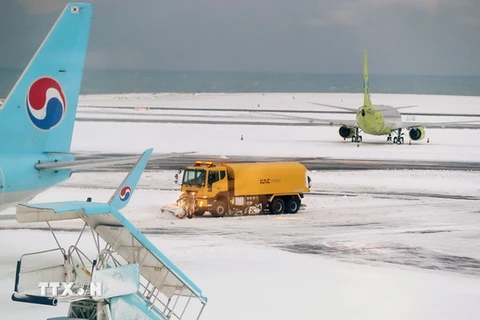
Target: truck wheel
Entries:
(292, 206)
(199, 213)
(277, 206)
(219, 209)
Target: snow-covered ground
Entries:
(286, 101)
(369, 244)
(274, 140)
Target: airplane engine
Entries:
(346, 132)
(417, 133)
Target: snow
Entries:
(286, 101)
(396, 244)
(290, 141)
(279, 140)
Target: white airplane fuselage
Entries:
(20, 181)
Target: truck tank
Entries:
(267, 178)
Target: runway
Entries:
(222, 116)
(437, 114)
(245, 123)
(179, 163)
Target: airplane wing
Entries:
(75, 165)
(353, 110)
(329, 122)
(405, 107)
(336, 122)
(385, 108)
(468, 124)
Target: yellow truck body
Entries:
(268, 178)
(274, 187)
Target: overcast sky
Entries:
(314, 36)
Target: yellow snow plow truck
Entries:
(246, 188)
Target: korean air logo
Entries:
(46, 104)
(125, 193)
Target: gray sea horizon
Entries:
(154, 81)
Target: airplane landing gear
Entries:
(389, 138)
(357, 137)
(398, 139)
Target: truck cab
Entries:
(201, 183)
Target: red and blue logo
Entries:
(46, 104)
(125, 193)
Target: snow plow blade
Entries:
(175, 210)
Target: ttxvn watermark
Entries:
(71, 289)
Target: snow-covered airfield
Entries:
(369, 245)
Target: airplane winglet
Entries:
(124, 193)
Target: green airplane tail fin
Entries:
(366, 92)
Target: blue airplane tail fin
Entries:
(38, 115)
(124, 193)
